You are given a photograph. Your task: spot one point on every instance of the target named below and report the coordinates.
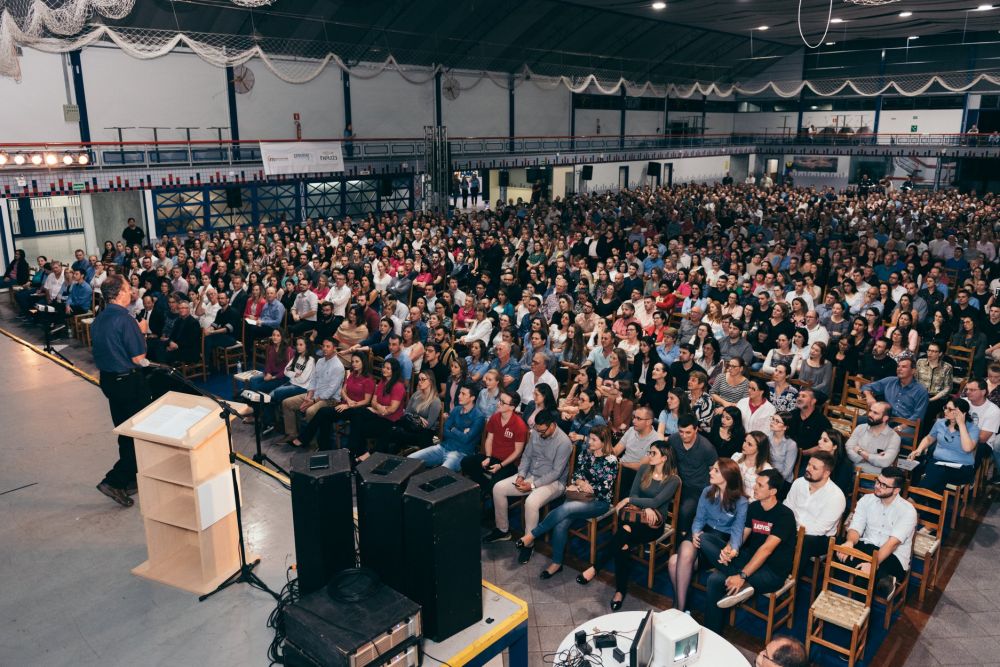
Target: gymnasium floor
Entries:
(69, 599)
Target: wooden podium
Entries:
(185, 492)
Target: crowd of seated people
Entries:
(748, 348)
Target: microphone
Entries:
(256, 396)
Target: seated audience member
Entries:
(818, 504)
(538, 374)
(955, 438)
(936, 376)
(617, 411)
(224, 329)
(883, 526)
(355, 396)
(401, 357)
(681, 369)
(677, 405)
(634, 443)
(505, 364)
(985, 415)
(907, 397)
(727, 433)
(717, 528)
(79, 295)
(276, 356)
(763, 562)
(586, 418)
(588, 495)
(877, 364)
(272, 314)
(297, 373)
(753, 459)
(184, 343)
(489, 394)
(323, 390)
(304, 309)
(383, 412)
(874, 445)
(701, 403)
(694, 455)
(541, 476)
(784, 451)
(506, 436)
(728, 389)
(421, 417)
(808, 422)
(756, 409)
(642, 518)
(783, 652)
(461, 435)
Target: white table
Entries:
(715, 651)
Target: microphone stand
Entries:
(260, 457)
(245, 574)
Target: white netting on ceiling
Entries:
(58, 26)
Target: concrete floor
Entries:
(68, 597)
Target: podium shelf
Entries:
(175, 469)
(182, 570)
(179, 511)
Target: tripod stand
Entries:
(48, 319)
(260, 457)
(245, 574)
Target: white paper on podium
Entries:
(171, 421)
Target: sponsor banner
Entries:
(301, 157)
(826, 165)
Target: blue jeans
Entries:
(561, 519)
(277, 396)
(258, 383)
(437, 455)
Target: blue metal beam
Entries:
(81, 95)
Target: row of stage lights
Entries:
(44, 159)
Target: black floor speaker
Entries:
(322, 515)
(381, 481)
(441, 551)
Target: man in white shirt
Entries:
(339, 296)
(54, 282)
(816, 331)
(875, 445)
(818, 504)
(304, 309)
(986, 415)
(536, 376)
(883, 526)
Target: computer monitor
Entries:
(641, 653)
(677, 639)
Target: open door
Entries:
(623, 177)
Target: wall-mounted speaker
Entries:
(234, 197)
(587, 172)
(504, 178)
(653, 169)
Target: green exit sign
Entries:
(78, 187)
(913, 128)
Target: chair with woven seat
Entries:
(780, 610)
(656, 554)
(910, 437)
(851, 394)
(594, 527)
(227, 358)
(842, 418)
(958, 499)
(931, 513)
(962, 359)
(843, 603)
(190, 369)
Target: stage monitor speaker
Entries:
(653, 169)
(234, 197)
(381, 481)
(504, 178)
(322, 516)
(385, 186)
(442, 551)
(586, 172)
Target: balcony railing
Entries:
(148, 154)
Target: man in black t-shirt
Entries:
(877, 363)
(763, 562)
(681, 369)
(807, 421)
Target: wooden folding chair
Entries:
(910, 438)
(843, 603)
(780, 610)
(656, 553)
(931, 513)
(961, 360)
(842, 418)
(189, 369)
(851, 394)
(594, 527)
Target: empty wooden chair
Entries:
(844, 601)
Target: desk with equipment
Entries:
(667, 638)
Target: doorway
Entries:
(623, 177)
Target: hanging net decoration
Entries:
(870, 3)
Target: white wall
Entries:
(718, 123)
(390, 106)
(928, 121)
(266, 111)
(700, 169)
(32, 109)
(586, 122)
(766, 122)
(853, 119)
(686, 170)
(540, 111)
(171, 91)
(642, 122)
(482, 109)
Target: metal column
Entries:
(437, 161)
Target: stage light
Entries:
(836, 20)
(905, 15)
(51, 159)
(763, 27)
(19, 159)
(983, 8)
(912, 37)
(831, 43)
(659, 5)
(4, 158)
(36, 159)
(67, 159)
(83, 158)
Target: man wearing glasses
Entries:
(541, 477)
(783, 652)
(883, 525)
(506, 435)
(631, 449)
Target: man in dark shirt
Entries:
(224, 330)
(432, 362)
(184, 344)
(681, 369)
(877, 364)
(133, 234)
(808, 422)
(694, 454)
(764, 561)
